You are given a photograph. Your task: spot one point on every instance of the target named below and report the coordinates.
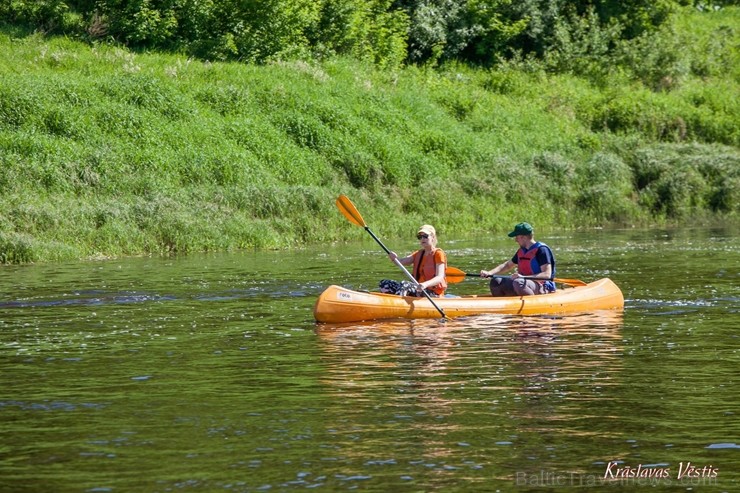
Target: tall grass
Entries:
(104, 152)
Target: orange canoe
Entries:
(340, 305)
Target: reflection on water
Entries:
(207, 373)
(466, 391)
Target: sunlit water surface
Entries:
(208, 373)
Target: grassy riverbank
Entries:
(105, 152)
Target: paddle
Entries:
(348, 209)
(455, 275)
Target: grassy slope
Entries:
(106, 152)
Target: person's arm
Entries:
(546, 271)
(545, 274)
(505, 267)
(404, 261)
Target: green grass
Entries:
(104, 152)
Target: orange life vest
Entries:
(425, 268)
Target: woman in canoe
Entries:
(533, 260)
(429, 263)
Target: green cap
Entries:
(521, 229)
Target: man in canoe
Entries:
(535, 265)
(429, 264)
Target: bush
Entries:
(604, 189)
(658, 59)
(658, 118)
(681, 181)
(558, 173)
(582, 44)
(16, 248)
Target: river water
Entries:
(208, 373)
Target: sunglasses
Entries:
(419, 237)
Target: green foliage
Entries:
(639, 110)
(582, 44)
(559, 173)
(16, 107)
(656, 59)
(47, 15)
(106, 152)
(250, 31)
(154, 94)
(472, 30)
(573, 35)
(140, 23)
(604, 190)
(272, 28)
(709, 40)
(16, 248)
(680, 181)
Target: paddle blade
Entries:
(454, 275)
(348, 209)
(570, 282)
